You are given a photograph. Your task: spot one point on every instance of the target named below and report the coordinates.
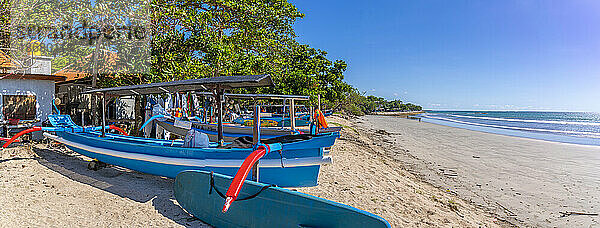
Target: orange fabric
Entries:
(319, 116)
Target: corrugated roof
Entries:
(259, 96)
(202, 84)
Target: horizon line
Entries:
(503, 110)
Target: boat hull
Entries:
(273, 207)
(302, 160)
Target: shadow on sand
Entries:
(119, 181)
(13, 159)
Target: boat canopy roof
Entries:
(201, 84)
(259, 96)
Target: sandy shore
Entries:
(528, 182)
(48, 186)
(43, 187)
(367, 174)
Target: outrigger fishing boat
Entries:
(286, 161)
(297, 164)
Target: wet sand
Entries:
(526, 181)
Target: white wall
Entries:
(40, 65)
(42, 89)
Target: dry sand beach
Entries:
(52, 187)
(528, 182)
(414, 174)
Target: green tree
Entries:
(4, 24)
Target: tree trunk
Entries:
(140, 113)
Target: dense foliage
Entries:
(209, 38)
(206, 38)
(358, 104)
(4, 21)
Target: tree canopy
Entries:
(207, 38)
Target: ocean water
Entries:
(568, 127)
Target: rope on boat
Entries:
(281, 155)
(213, 186)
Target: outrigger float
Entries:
(286, 161)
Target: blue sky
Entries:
(464, 55)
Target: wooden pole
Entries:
(319, 102)
(292, 116)
(283, 112)
(311, 114)
(283, 115)
(205, 108)
(256, 138)
(104, 115)
(95, 73)
(220, 116)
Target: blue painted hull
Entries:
(126, 151)
(273, 207)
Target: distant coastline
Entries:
(400, 114)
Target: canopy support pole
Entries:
(205, 109)
(283, 114)
(104, 115)
(256, 138)
(319, 102)
(219, 97)
(292, 116)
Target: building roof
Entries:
(32, 77)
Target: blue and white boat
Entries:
(296, 164)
